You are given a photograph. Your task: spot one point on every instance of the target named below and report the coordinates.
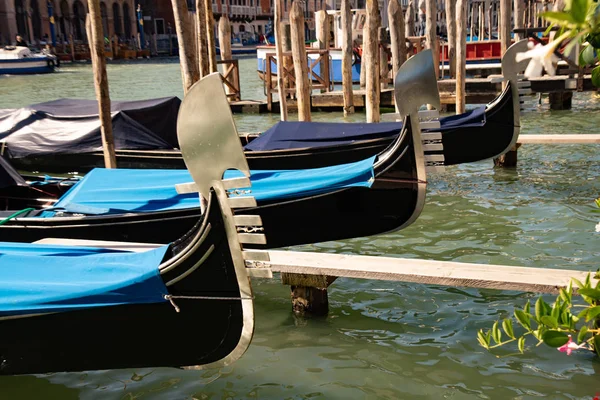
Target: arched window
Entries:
(64, 20)
(117, 18)
(21, 18)
(104, 16)
(36, 19)
(78, 20)
(127, 21)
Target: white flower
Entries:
(598, 227)
(542, 57)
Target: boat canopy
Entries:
(118, 191)
(41, 278)
(297, 135)
(68, 126)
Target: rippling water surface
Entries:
(384, 339)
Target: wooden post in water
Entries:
(203, 66)
(286, 45)
(210, 36)
(371, 48)
(409, 26)
(225, 46)
(322, 27)
(280, 62)
(461, 54)
(397, 38)
(364, 60)
(185, 39)
(96, 41)
(383, 58)
(451, 27)
(300, 61)
(431, 34)
(347, 58)
(505, 28)
(519, 18)
(481, 24)
(472, 19)
(72, 45)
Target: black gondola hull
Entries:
(204, 331)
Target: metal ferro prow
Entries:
(210, 145)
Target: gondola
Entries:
(479, 134)
(18, 192)
(393, 201)
(80, 305)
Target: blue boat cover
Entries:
(117, 191)
(296, 135)
(38, 278)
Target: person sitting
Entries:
(20, 42)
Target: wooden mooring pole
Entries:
(201, 37)
(210, 36)
(300, 61)
(511, 157)
(280, 61)
(225, 48)
(397, 37)
(371, 48)
(431, 34)
(409, 27)
(322, 27)
(451, 27)
(185, 39)
(461, 55)
(96, 41)
(347, 58)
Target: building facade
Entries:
(30, 19)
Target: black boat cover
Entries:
(68, 126)
(295, 135)
(9, 176)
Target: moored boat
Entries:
(72, 305)
(22, 61)
(391, 198)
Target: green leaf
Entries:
(592, 313)
(559, 17)
(527, 307)
(587, 56)
(521, 344)
(550, 321)
(583, 314)
(496, 334)
(555, 312)
(582, 333)
(508, 328)
(541, 309)
(579, 9)
(523, 319)
(577, 283)
(594, 294)
(482, 340)
(555, 338)
(596, 76)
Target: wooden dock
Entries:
(447, 273)
(479, 91)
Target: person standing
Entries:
(20, 42)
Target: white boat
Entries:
(21, 60)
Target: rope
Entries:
(24, 211)
(177, 309)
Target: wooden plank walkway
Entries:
(560, 139)
(446, 273)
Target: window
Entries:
(159, 26)
(191, 5)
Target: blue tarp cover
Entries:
(37, 278)
(114, 191)
(295, 135)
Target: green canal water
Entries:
(384, 340)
